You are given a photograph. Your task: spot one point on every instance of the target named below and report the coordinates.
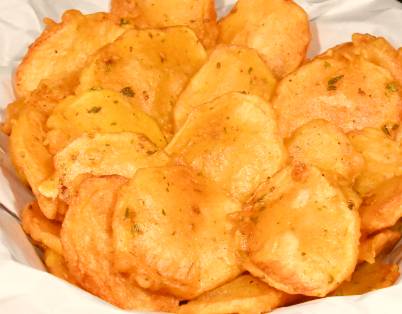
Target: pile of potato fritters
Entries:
(190, 165)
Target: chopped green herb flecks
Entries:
(94, 109)
(124, 21)
(388, 129)
(135, 229)
(332, 82)
(127, 91)
(391, 87)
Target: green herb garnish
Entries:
(332, 82)
(94, 109)
(127, 91)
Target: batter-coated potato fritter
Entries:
(87, 248)
(228, 69)
(43, 231)
(375, 49)
(244, 295)
(56, 265)
(101, 154)
(147, 67)
(382, 208)
(30, 156)
(64, 47)
(377, 244)
(233, 140)
(351, 93)
(382, 157)
(325, 146)
(101, 111)
(199, 15)
(277, 29)
(303, 233)
(369, 277)
(172, 233)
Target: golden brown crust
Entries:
(199, 15)
(55, 52)
(87, 247)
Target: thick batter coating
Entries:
(87, 247)
(64, 47)
(234, 141)
(303, 233)
(199, 15)
(172, 233)
(228, 69)
(147, 67)
(352, 93)
(277, 29)
(325, 146)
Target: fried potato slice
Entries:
(228, 69)
(350, 93)
(382, 156)
(64, 47)
(199, 15)
(382, 208)
(277, 29)
(30, 157)
(101, 154)
(87, 246)
(102, 111)
(369, 277)
(325, 146)
(148, 68)
(302, 236)
(56, 265)
(176, 223)
(233, 141)
(378, 244)
(244, 295)
(43, 231)
(374, 49)
(43, 98)
(11, 115)
(51, 91)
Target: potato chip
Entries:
(325, 146)
(382, 156)
(64, 47)
(350, 93)
(277, 29)
(199, 15)
(369, 277)
(245, 295)
(99, 111)
(383, 207)
(302, 236)
(44, 232)
(12, 112)
(233, 141)
(148, 68)
(374, 49)
(56, 265)
(228, 69)
(101, 154)
(87, 246)
(176, 223)
(29, 155)
(377, 244)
